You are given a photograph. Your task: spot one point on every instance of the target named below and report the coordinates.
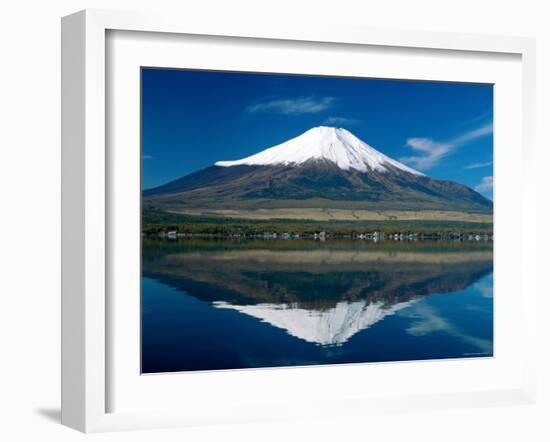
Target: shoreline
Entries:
(160, 224)
(323, 236)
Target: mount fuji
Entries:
(324, 144)
(325, 167)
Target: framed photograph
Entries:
(265, 221)
(320, 249)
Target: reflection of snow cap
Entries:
(334, 326)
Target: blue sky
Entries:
(191, 119)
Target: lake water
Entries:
(222, 304)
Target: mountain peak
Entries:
(326, 143)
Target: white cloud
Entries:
(478, 165)
(487, 129)
(431, 151)
(485, 186)
(293, 106)
(341, 120)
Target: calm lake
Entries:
(223, 304)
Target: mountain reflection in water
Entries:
(321, 294)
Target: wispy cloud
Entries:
(478, 165)
(431, 151)
(146, 157)
(293, 106)
(486, 185)
(341, 120)
(486, 129)
(485, 116)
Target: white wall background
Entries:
(30, 219)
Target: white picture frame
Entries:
(85, 210)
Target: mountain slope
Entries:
(324, 167)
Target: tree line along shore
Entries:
(162, 224)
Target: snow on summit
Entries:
(323, 143)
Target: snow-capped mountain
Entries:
(325, 167)
(323, 143)
(333, 326)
